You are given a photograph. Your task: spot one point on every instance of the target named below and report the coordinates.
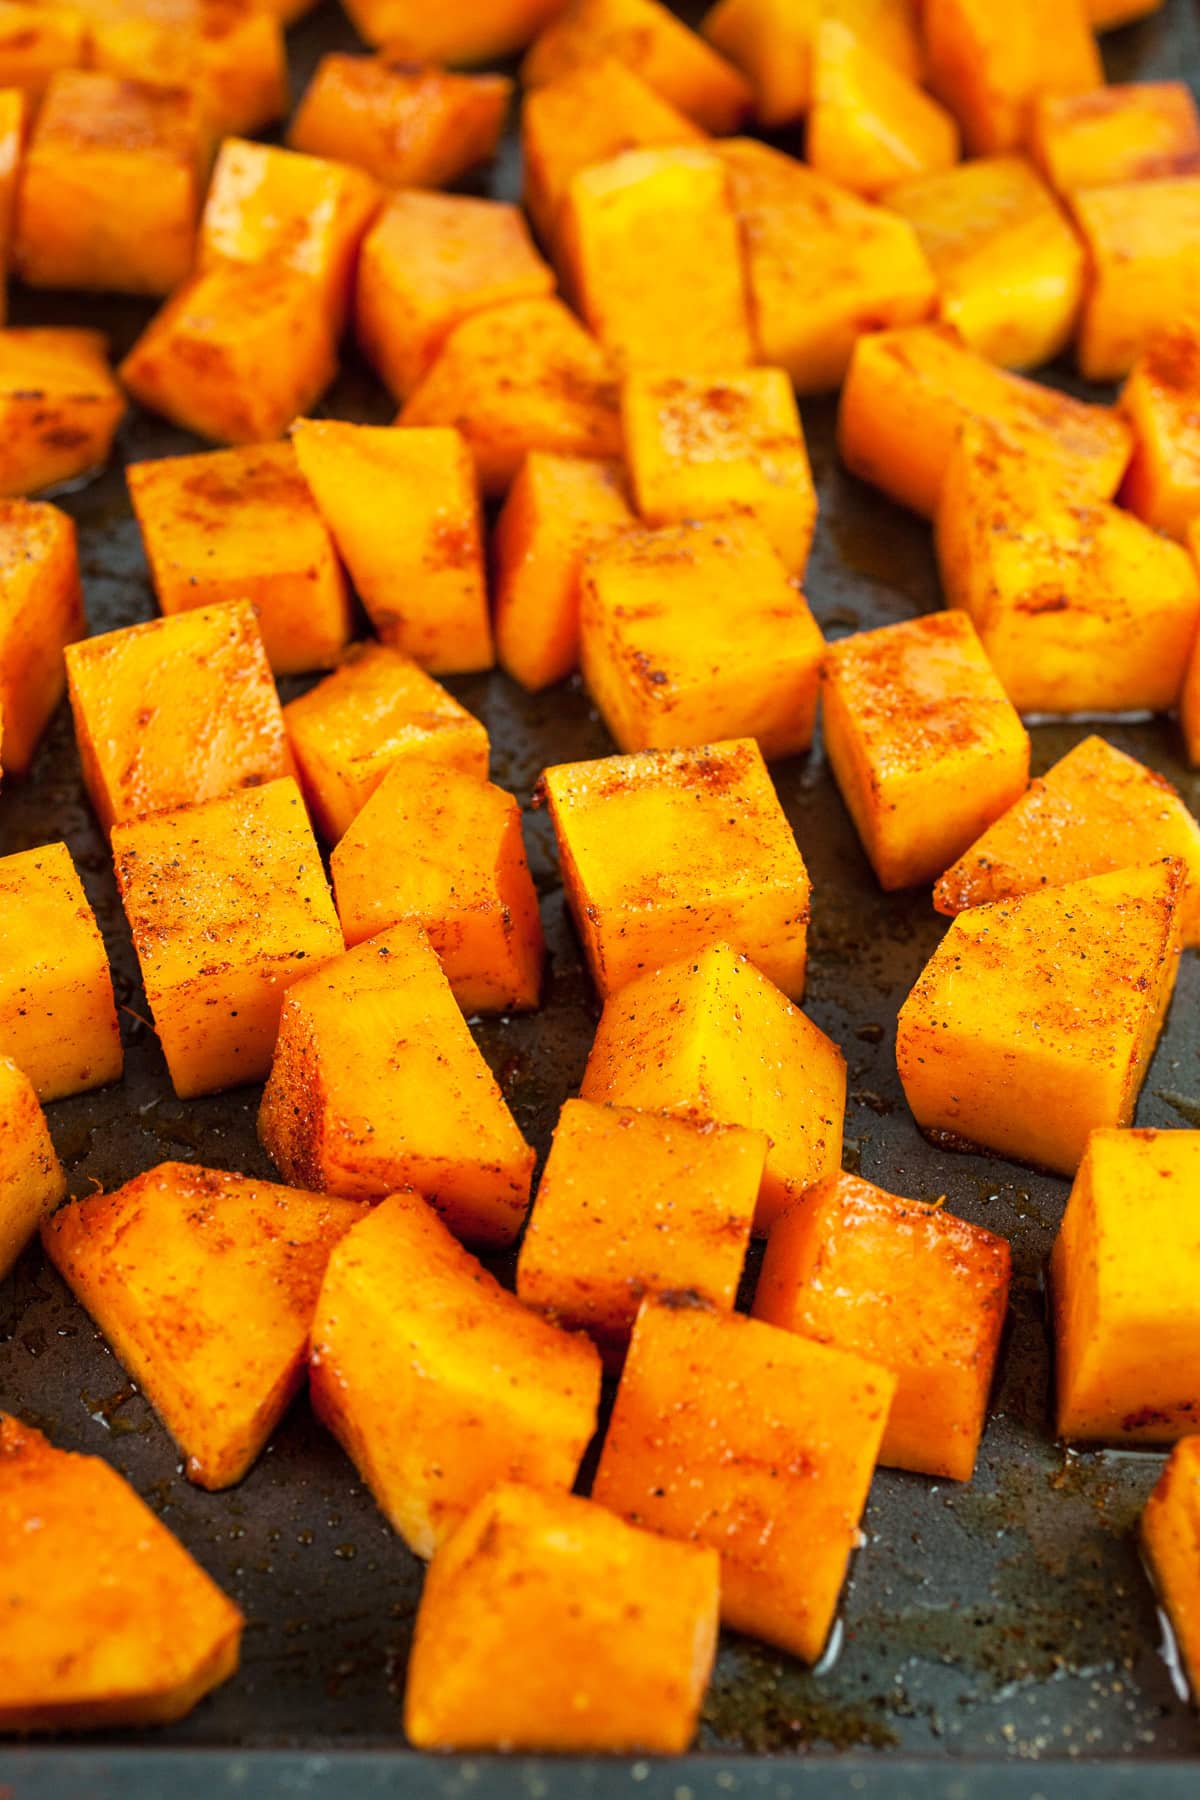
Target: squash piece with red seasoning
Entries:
(1130, 132)
(59, 406)
(32, 1180)
(469, 31)
(1161, 400)
(1143, 244)
(35, 43)
(41, 612)
(989, 66)
(1170, 1536)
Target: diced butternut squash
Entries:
(227, 903)
(1189, 699)
(904, 1284)
(702, 447)
(429, 262)
(408, 126)
(1009, 267)
(989, 65)
(756, 1442)
(443, 850)
(1128, 133)
(59, 406)
(437, 1382)
(469, 31)
(58, 1020)
(517, 378)
(36, 43)
(558, 509)
(774, 43)
(377, 1083)
(1171, 1545)
(634, 1203)
(607, 1634)
(710, 1038)
(242, 524)
(673, 203)
(670, 662)
(376, 709)
(870, 124)
(41, 612)
(1096, 810)
(14, 125)
(32, 1181)
(1106, 14)
(1161, 400)
(1123, 1278)
(109, 1620)
(1035, 1019)
(403, 509)
(1143, 243)
(174, 711)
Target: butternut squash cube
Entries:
(1123, 1277)
(701, 447)
(41, 612)
(377, 1082)
(444, 850)
(242, 524)
(35, 44)
(517, 378)
(709, 1038)
(59, 406)
(110, 1620)
(236, 353)
(469, 31)
(670, 663)
(205, 1284)
(403, 510)
(32, 1181)
(242, 874)
(175, 711)
(923, 741)
(436, 1381)
(408, 126)
(378, 708)
(904, 1284)
(558, 509)
(1034, 1020)
(1170, 1535)
(14, 123)
(1128, 133)
(1161, 400)
(429, 262)
(990, 65)
(634, 1203)
(58, 1020)
(774, 43)
(756, 1442)
(871, 125)
(608, 1633)
(1189, 699)
(1143, 244)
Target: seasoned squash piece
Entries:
(1123, 1282)
(606, 1634)
(109, 1620)
(59, 406)
(756, 1442)
(205, 1284)
(376, 709)
(709, 1038)
(242, 524)
(437, 1382)
(1127, 133)
(989, 64)
(443, 850)
(404, 513)
(227, 903)
(408, 126)
(774, 43)
(41, 612)
(429, 262)
(634, 1203)
(378, 1083)
(1143, 244)
(1034, 1020)
(1161, 400)
(14, 124)
(174, 711)
(517, 378)
(32, 1181)
(469, 31)
(907, 1285)
(1171, 1545)
(1189, 699)
(923, 741)
(36, 43)
(58, 1021)
(675, 203)
(558, 509)
(870, 124)
(668, 660)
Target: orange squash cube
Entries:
(175, 711)
(429, 262)
(871, 125)
(111, 1621)
(36, 43)
(14, 123)
(407, 126)
(774, 43)
(242, 873)
(1189, 699)
(671, 664)
(59, 406)
(989, 66)
(1170, 1528)
(710, 1038)
(242, 524)
(756, 1442)
(470, 31)
(1143, 244)
(58, 1020)
(517, 378)
(376, 709)
(1128, 133)
(403, 510)
(558, 509)
(991, 1052)
(608, 1633)
(377, 1083)
(32, 1181)
(436, 1381)
(904, 1284)
(41, 612)
(1123, 1276)
(1161, 400)
(925, 745)
(444, 851)
(634, 1203)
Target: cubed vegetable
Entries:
(1126, 133)
(36, 43)
(1161, 400)
(1143, 245)
(1189, 699)
(774, 43)
(1170, 1533)
(990, 65)
(871, 125)
(41, 612)
(14, 125)
(32, 1181)
(59, 406)
(469, 31)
